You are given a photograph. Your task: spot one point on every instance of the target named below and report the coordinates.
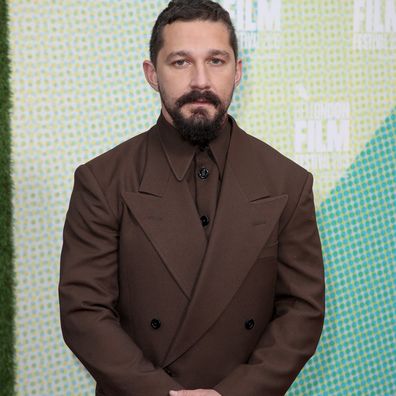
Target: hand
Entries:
(195, 392)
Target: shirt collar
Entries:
(180, 152)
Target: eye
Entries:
(217, 61)
(180, 62)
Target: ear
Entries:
(238, 72)
(150, 74)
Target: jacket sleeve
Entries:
(88, 294)
(291, 337)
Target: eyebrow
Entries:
(212, 52)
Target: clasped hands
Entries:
(195, 392)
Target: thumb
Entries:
(173, 393)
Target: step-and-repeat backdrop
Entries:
(319, 86)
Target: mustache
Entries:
(193, 96)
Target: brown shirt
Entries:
(202, 169)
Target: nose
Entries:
(200, 77)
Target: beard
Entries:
(198, 129)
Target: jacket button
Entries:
(204, 220)
(203, 173)
(249, 324)
(155, 324)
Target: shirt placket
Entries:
(207, 179)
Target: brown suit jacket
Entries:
(131, 310)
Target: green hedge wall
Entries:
(7, 304)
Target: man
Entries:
(191, 262)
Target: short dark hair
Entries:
(190, 10)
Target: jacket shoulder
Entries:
(120, 153)
(275, 162)
(282, 175)
(120, 168)
(124, 161)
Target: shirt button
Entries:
(204, 220)
(155, 323)
(249, 324)
(203, 173)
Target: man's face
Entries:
(195, 74)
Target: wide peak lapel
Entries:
(245, 217)
(165, 210)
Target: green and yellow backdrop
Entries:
(319, 85)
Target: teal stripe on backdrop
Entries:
(356, 354)
(7, 361)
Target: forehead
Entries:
(195, 36)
